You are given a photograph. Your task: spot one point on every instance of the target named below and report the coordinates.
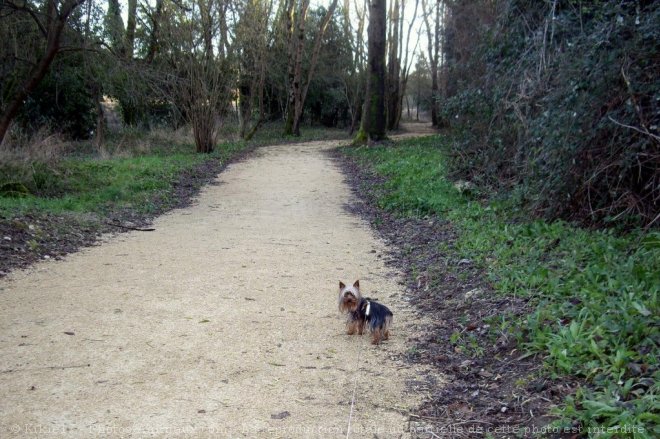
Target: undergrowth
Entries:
(131, 170)
(98, 185)
(558, 98)
(594, 293)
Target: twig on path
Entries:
(130, 228)
(73, 366)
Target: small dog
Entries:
(364, 311)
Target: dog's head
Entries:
(349, 296)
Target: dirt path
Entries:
(217, 324)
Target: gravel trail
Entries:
(221, 323)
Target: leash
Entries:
(350, 415)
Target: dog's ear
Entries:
(341, 285)
(357, 284)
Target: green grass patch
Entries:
(94, 185)
(595, 293)
(272, 134)
(132, 170)
(91, 184)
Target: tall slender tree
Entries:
(393, 68)
(296, 28)
(433, 36)
(373, 118)
(357, 72)
(114, 27)
(252, 41)
(298, 90)
(155, 19)
(129, 44)
(407, 60)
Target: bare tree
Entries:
(398, 67)
(393, 67)
(407, 61)
(129, 43)
(114, 27)
(155, 19)
(51, 22)
(202, 81)
(201, 97)
(359, 61)
(312, 65)
(252, 39)
(297, 46)
(298, 90)
(433, 35)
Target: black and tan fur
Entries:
(362, 312)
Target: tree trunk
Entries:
(129, 45)
(296, 43)
(402, 93)
(244, 106)
(434, 95)
(295, 67)
(99, 135)
(373, 123)
(114, 27)
(433, 47)
(357, 109)
(312, 66)
(393, 70)
(405, 70)
(252, 39)
(154, 38)
(295, 95)
(419, 96)
(408, 107)
(434, 67)
(298, 91)
(442, 64)
(208, 27)
(358, 68)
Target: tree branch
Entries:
(30, 12)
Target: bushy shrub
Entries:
(62, 102)
(561, 100)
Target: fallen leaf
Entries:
(281, 415)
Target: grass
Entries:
(594, 292)
(271, 134)
(92, 185)
(130, 171)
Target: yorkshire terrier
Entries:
(364, 311)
